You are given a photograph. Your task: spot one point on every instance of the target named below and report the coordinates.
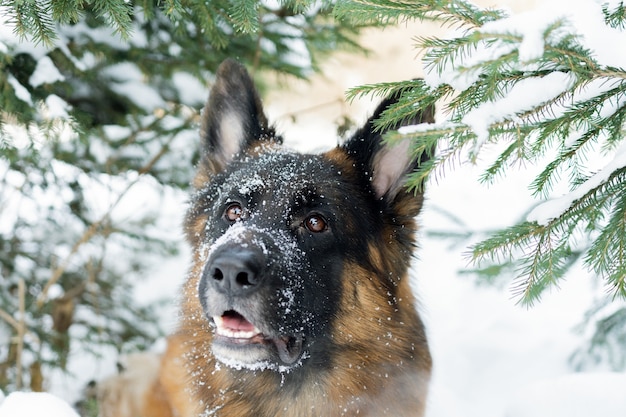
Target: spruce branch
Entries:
(245, 16)
(65, 11)
(31, 19)
(391, 12)
(615, 18)
(38, 19)
(117, 13)
(480, 69)
(379, 89)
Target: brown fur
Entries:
(131, 393)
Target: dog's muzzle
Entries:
(243, 298)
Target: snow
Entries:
(35, 404)
(56, 107)
(523, 96)
(260, 366)
(551, 209)
(298, 55)
(128, 81)
(576, 395)
(583, 17)
(191, 91)
(458, 73)
(81, 33)
(20, 91)
(116, 132)
(45, 73)
(492, 357)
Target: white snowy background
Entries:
(492, 357)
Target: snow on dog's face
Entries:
(271, 279)
(277, 234)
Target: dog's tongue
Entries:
(289, 349)
(235, 321)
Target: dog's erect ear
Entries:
(386, 164)
(233, 118)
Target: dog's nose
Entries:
(235, 272)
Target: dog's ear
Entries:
(387, 165)
(233, 119)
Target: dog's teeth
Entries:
(235, 335)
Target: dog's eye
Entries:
(233, 212)
(315, 223)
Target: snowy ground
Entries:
(492, 357)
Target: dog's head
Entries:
(274, 230)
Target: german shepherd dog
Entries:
(298, 301)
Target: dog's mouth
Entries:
(243, 339)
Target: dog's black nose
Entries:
(235, 272)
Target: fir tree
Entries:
(575, 112)
(99, 106)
